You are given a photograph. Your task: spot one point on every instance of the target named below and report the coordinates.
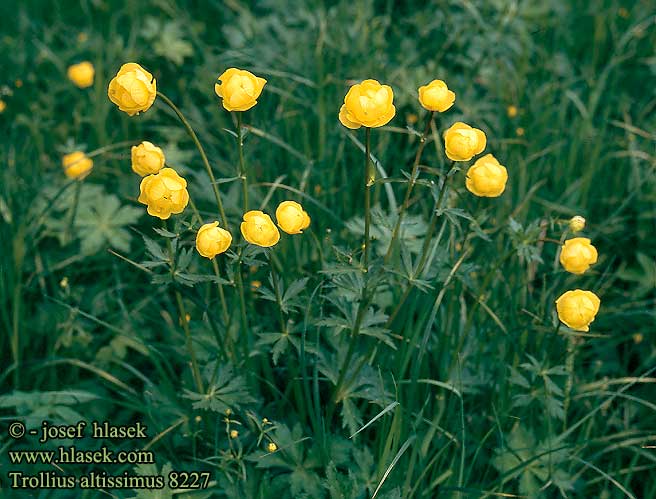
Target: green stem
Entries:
(76, 202)
(433, 225)
(369, 177)
(411, 185)
(208, 168)
(242, 165)
(424, 250)
(569, 367)
(362, 306)
(183, 319)
(217, 273)
(276, 290)
(244, 333)
(190, 346)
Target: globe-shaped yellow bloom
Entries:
(212, 240)
(77, 165)
(81, 74)
(577, 309)
(164, 193)
(239, 89)
(577, 224)
(577, 254)
(147, 159)
(436, 96)
(133, 89)
(367, 104)
(258, 228)
(3, 106)
(486, 177)
(291, 217)
(462, 142)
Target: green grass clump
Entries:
(441, 371)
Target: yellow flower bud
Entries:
(512, 111)
(3, 106)
(234, 433)
(147, 159)
(486, 177)
(81, 74)
(367, 104)
(239, 89)
(258, 228)
(462, 142)
(164, 193)
(577, 224)
(77, 165)
(577, 309)
(272, 447)
(436, 96)
(520, 132)
(133, 89)
(577, 254)
(291, 217)
(212, 240)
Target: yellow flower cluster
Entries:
(367, 104)
(133, 89)
(164, 193)
(147, 159)
(212, 240)
(370, 104)
(578, 308)
(81, 74)
(239, 89)
(77, 165)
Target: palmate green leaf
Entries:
(167, 39)
(103, 223)
(518, 460)
(229, 391)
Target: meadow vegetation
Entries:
(295, 357)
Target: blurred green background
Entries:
(565, 92)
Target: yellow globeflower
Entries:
(147, 159)
(133, 89)
(3, 106)
(258, 228)
(271, 447)
(577, 309)
(577, 224)
(77, 165)
(212, 240)
(81, 74)
(486, 177)
(436, 96)
(462, 142)
(239, 89)
(164, 193)
(291, 217)
(367, 104)
(512, 111)
(577, 254)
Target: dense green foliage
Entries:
(458, 380)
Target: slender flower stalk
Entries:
(425, 247)
(242, 166)
(183, 319)
(206, 163)
(74, 207)
(276, 291)
(411, 184)
(215, 266)
(369, 178)
(572, 344)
